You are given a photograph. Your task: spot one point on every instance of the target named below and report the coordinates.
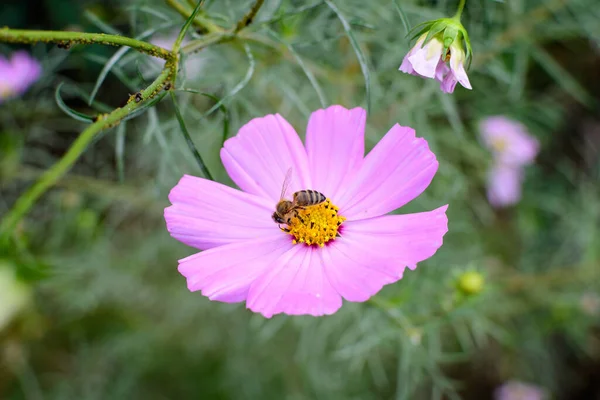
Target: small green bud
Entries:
(470, 283)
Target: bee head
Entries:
(277, 218)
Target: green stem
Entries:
(206, 41)
(52, 175)
(461, 5)
(247, 19)
(29, 37)
(188, 139)
(181, 36)
(185, 28)
(200, 22)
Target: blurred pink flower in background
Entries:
(247, 257)
(509, 141)
(504, 185)
(515, 390)
(17, 74)
(512, 148)
(427, 61)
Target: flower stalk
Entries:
(247, 19)
(52, 175)
(459, 11)
(199, 21)
(69, 38)
(167, 78)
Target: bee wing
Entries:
(286, 183)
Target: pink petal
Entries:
(206, 214)
(374, 252)
(225, 273)
(295, 284)
(258, 158)
(26, 70)
(519, 147)
(398, 169)
(357, 273)
(448, 84)
(335, 144)
(458, 69)
(406, 66)
(426, 59)
(504, 185)
(441, 71)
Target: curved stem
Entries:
(247, 19)
(52, 175)
(198, 21)
(27, 36)
(461, 5)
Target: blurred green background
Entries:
(101, 311)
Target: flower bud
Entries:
(439, 54)
(470, 283)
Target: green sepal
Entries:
(469, 52)
(436, 28)
(450, 35)
(424, 27)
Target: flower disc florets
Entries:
(315, 225)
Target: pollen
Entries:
(315, 225)
(499, 144)
(5, 91)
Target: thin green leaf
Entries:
(224, 110)
(69, 111)
(120, 152)
(451, 110)
(232, 93)
(149, 10)
(403, 17)
(186, 26)
(117, 56)
(188, 139)
(103, 26)
(298, 10)
(562, 76)
(309, 75)
(242, 84)
(118, 72)
(362, 60)
(73, 89)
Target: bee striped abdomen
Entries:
(308, 197)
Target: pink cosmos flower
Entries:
(512, 149)
(428, 61)
(509, 141)
(17, 74)
(515, 390)
(346, 247)
(504, 185)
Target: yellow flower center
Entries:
(5, 91)
(315, 225)
(499, 144)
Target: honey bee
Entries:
(285, 210)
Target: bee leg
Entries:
(299, 217)
(287, 230)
